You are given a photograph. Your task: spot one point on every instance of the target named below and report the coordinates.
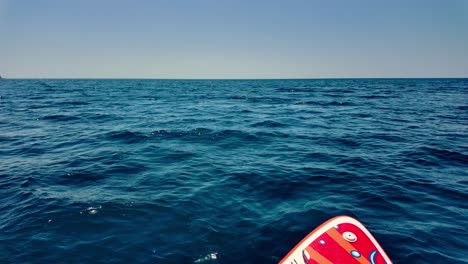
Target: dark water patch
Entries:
(439, 190)
(325, 103)
(326, 176)
(100, 117)
(82, 160)
(59, 118)
(322, 157)
(412, 127)
(358, 162)
(176, 156)
(237, 97)
(287, 90)
(375, 200)
(73, 103)
(268, 123)
(177, 134)
(205, 134)
(30, 181)
(39, 106)
(344, 141)
(168, 134)
(418, 157)
(149, 98)
(47, 85)
(373, 96)
(463, 182)
(127, 136)
(30, 149)
(396, 120)
(278, 191)
(238, 134)
(244, 178)
(8, 182)
(426, 162)
(185, 135)
(389, 137)
(80, 178)
(127, 168)
(6, 139)
(447, 155)
(272, 99)
(362, 115)
(447, 87)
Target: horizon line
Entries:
(280, 78)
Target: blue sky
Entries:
(233, 39)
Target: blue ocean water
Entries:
(167, 171)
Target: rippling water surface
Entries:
(167, 171)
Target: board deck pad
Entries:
(339, 240)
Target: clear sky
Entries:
(233, 39)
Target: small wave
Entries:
(447, 155)
(241, 135)
(127, 168)
(47, 85)
(328, 175)
(72, 103)
(374, 96)
(358, 162)
(431, 188)
(180, 134)
(269, 99)
(325, 103)
(127, 136)
(191, 135)
(286, 90)
(269, 123)
(7, 182)
(237, 97)
(100, 117)
(418, 157)
(320, 157)
(397, 120)
(80, 178)
(32, 149)
(435, 157)
(344, 142)
(149, 98)
(426, 162)
(61, 118)
(361, 115)
(337, 94)
(39, 106)
(8, 138)
(28, 182)
(273, 134)
(386, 137)
(294, 90)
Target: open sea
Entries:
(168, 171)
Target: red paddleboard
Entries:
(339, 240)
